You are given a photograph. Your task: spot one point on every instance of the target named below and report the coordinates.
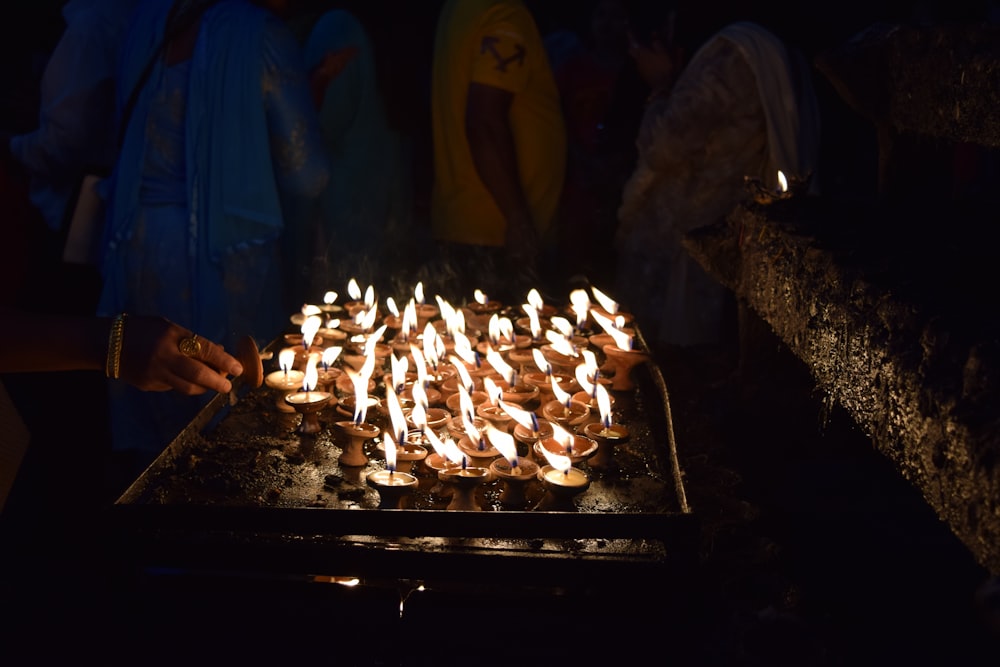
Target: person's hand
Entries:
(152, 360)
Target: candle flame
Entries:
(463, 373)
(360, 383)
(390, 452)
(558, 392)
(309, 329)
(436, 443)
(433, 346)
(466, 408)
(418, 293)
(535, 299)
(493, 392)
(398, 368)
(506, 371)
(330, 297)
(562, 325)
(330, 355)
(311, 377)
(580, 305)
(534, 323)
(523, 417)
(480, 297)
(563, 437)
(370, 298)
(503, 442)
(558, 461)
(604, 405)
(309, 310)
(561, 343)
(463, 349)
(540, 361)
(453, 452)
(419, 364)
(286, 359)
(420, 395)
(353, 290)
(396, 416)
(782, 182)
(390, 304)
(622, 339)
(418, 416)
(607, 303)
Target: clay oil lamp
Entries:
(621, 356)
(474, 443)
(460, 380)
(356, 432)
(309, 402)
(528, 428)
(514, 472)
(578, 448)
(512, 389)
(392, 485)
(432, 359)
(330, 308)
(420, 391)
(393, 320)
(331, 333)
(563, 409)
(545, 376)
(410, 448)
(475, 397)
(437, 461)
(284, 381)
(532, 325)
(606, 434)
(580, 305)
(463, 478)
(491, 410)
(499, 337)
(562, 483)
(452, 322)
(307, 310)
(480, 310)
(432, 417)
(610, 329)
(560, 352)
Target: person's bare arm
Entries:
(150, 357)
(492, 146)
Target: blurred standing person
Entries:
(220, 131)
(366, 207)
(741, 105)
(499, 146)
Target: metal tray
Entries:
(240, 490)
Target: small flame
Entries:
(493, 392)
(330, 297)
(370, 298)
(390, 305)
(535, 299)
(419, 364)
(558, 461)
(330, 355)
(561, 343)
(418, 293)
(463, 349)
(398, 368)
(311, 377)
(309, 310)
(480, 297)
(782, 181)
(433, 346)
(420, 395)
(504, 443)
(607, 303)
(622, 339)
(309, 329)
(396, 415)
(563, 437)
(360, 395)
(463, 373)
(466, 408)
(286, 359)
(562, 325)
(418, 415)
(580, 305)
(523, 417)
(390, 452)
(558, 392)
(604, 405)
(353, 290)
(502, 367)
(540, 361)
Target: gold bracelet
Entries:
(112, 366)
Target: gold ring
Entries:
(189, 347)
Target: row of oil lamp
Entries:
(524, 399)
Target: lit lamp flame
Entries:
(472, 432)
(353, 290)
(330, 297)
(493, 392)
(563, 326)
(535, 299)
(580, 305)
(396, 416)
(390, 305)
(607, 303)
(523, 417)
(309, 329)
(480, 297)
(504, 443)
(463, 349)
(409, 323)
(563, 437)
(308, 310)
(437, 444)
(390, 453)
(588, 372)
(398, 368)
(540, 361)
(418, 415)
(370, 298)
(494, 359)
(311, 377)
(453, 453)
(782, 182)
(604, 405)
(419, 364)
(494, 330)
(534, 323)
(360, 395)
(561, 343)
(622, 339)
(558, 461)
(463, 374)
(330, 355)
(467, 409)
(433, 347)
(286, 359)
(420, 395)
(559, 393)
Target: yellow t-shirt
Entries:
(496, 43)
